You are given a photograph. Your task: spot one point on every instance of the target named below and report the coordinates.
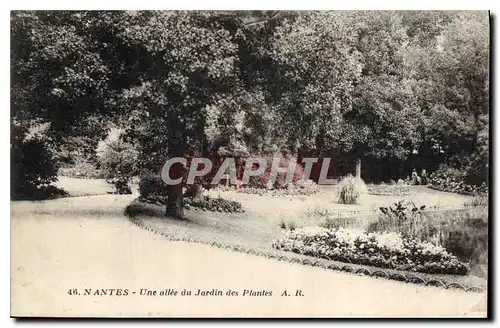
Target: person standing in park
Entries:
(423, 176)
(414, 177)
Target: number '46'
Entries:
(73, 292)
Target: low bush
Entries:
(291, 190)
(387, 250)
(151, 185)
(467, 240)
(392, 189)
(318, 211)
(403, 218)
(218, 204)
(82, 168)
(50, 192)
(348, 190)
(289, 223)
(121, 186)
(465, 234)
(453, 180)
(154, 199)
(262, 181)
(205, 203)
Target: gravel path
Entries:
(69, 243)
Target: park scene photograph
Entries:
(249, 164)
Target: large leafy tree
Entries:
(376, 85)
(342, 84)
(58, 75)
(386, 117)
(185, 73)
(450, 78)
(59, 81)
(316, 68)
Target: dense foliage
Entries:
(400, 90)
(118, 159)
(204, 203)
(454, 180)
(33, 162)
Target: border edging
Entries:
(378, 273)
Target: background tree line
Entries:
(400, 90)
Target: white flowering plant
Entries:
(385, 250)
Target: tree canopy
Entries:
(384, 86)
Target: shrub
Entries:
(33, 162)
(348, 192)
(467, 241)
(392, 189)
(306, 189)
(83, 168)
(262, 180)
(118, 159)
(403, 218)
(388, 250)
(289, 223)
(50, 192)
(218, 204)
(465, 234)
(318, 211)
(151, 185)
(205, 203)
(450, 179)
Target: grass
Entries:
(87, 187)
(290, 223)
(267, 218)
(477, 201)
(256, 232)
(318, 211)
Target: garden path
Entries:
(87, 242)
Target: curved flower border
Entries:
(377, 273)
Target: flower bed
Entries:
(292, 191)
(205, 203)
(388, 250)
(389, 190)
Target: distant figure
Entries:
(414, 177)
(423, 175)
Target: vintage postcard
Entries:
(250, 164)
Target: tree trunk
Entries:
(175, 201)
(174, 192)
(358, 168)
(194, 191)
